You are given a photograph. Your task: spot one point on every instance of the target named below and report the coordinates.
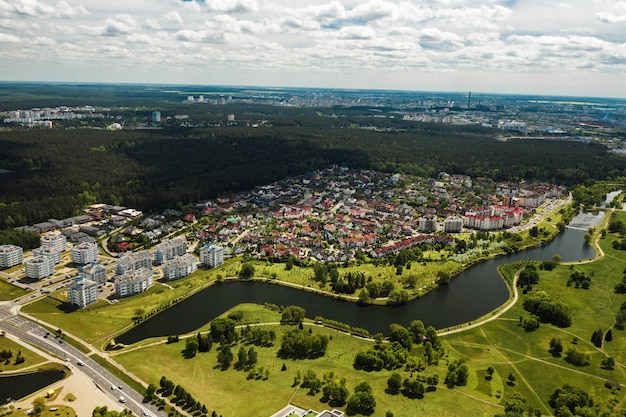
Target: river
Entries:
(472, 294)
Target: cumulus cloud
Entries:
(610, 17)
(37, 8)
(120, 25)
(173, 16)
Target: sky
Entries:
(563, 47)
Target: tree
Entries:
(511, 379)
(515, 404)
(556, 347)
(608, 363)
(225, 357)
(292, 314)
(150, 391)
(490, 371)
(418, 331)
(608, 336)
(191, 348)
(398, 333)
(252, 358)
(361, 403)
(222, 327)
(394, 383)
(247, 271)
(39, 404)
(242, 358)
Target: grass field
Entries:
(502, 344)
(9, 291)
(30, 357)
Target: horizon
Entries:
(463, 94)
(573, 48)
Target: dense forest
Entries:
(55, 172)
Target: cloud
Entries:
(357, 32)
(609, 17)
(173, 16)
(36, 8)
(122, 24)
(5, 37)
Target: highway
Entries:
(38, 336)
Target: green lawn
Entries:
(9, 291)
(30, 357)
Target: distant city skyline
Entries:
(569, 47)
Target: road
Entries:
(34, 334)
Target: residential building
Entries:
(179, 267)
(55, 241)
(49, 252)
(95, 271)
(84, 253)
(133, 261)
(82, 292)
(133, 282)
(39, 267)
(169, 249)
(10, 255)
(212, 255)
(428, 223)
(453, 225)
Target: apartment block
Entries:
(49, 252)
(133, 261)
(82, 292)
(54, 241)
(84, 253)
(179, 267)
(94, 271)
(39, 267)
(169, 249)
(212, 256)
(453, 225)
(10, 255)
(133, 282)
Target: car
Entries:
(119, 387)
(113, 387)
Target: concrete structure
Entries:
(55, 241)
(50, 252)
(156, 117)
(95, 271)
(10, 255)
(82, 292)
(39, 267)
(133, 283)
(84, 253)
(211, 255)
(179, 267)
(169, 249)
(133, 261)
(428, 223)
(453, 225)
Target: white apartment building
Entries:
(49, 252)
(179, 267)
(211, 255)
(10, 255)
(84, 253)
(39, 267)
(133, 283)
(453, 225)
(169, 249)
(54, 241)
(133, 261)
(428, 223)
(94, 272)
(81, 292)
